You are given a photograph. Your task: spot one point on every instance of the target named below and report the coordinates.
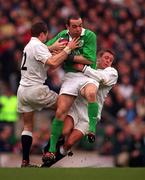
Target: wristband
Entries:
(67, 50)
(85, 67)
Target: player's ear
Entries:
(41, 34)
(67, 26)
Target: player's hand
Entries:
(78, 67)
(91, 137)
(59, 45)
(74, 43)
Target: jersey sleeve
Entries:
(107, 76)
(42, 53)
(89, 49)
(52, 41)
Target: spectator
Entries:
(137, 149)
(129, 110)
(8, 110)
(6, 140)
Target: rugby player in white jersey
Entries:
(32, 94)
(76, 125)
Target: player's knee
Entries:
(61, 113)
(91, 96)
(90, 92)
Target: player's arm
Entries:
(55, 60)
(56, 47)
(51, 43)
(82, 60)
(55, 44)
(107, 76)
(88, 52)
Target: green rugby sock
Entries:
(92, 113)
(56, 131)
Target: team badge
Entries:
(81, 43)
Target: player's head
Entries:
(74, 25)
(40, 31)
(105, 58)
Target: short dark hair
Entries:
(101, 52)
(73, 16)
(38, 28)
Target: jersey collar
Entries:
(82, 33)
(35, 38)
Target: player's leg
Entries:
(67, 129)
(78, 122)
(26, 138)
(90, 93)
(68, 126)
(69, 123)
(68, 93)
(40, 97)
(63, 105)
(74, 137)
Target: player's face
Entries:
(106, 60)
(75, 27)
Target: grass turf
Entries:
(72, 174)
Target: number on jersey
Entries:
(23, 67)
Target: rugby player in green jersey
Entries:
(74, 81)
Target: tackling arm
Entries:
(82, 60)
(55, 60)
(107, 76)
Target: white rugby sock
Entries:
(63, 151)
(27, 133)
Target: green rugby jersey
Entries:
(87, 47)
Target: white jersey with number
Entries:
(32, 95)
(33, 68)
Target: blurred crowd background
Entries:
(119, 25)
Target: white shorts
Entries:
(35, 98)
(79, 113)
(74, 82)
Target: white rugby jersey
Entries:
(107, 78)
(33, 68)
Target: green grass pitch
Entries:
(72, 174)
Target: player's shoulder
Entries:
(112, 70)
(31, 44)
(34, 42)
(88, 32)
(36, 46)
(63, 32)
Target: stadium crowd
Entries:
(120, 26)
